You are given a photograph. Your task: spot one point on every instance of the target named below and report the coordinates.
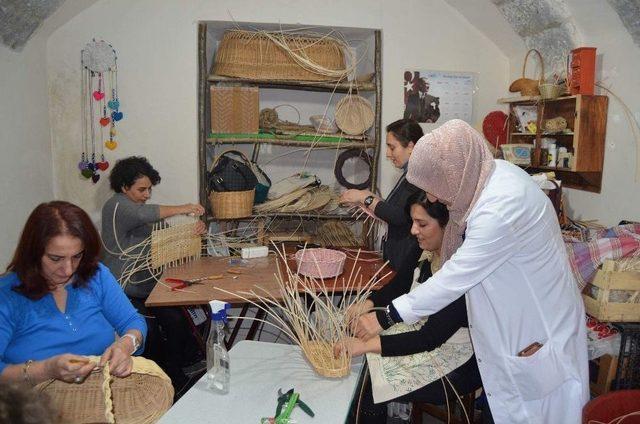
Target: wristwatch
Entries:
(368, 200)
(134, 339)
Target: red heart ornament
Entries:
(102, 165)
(105, 121)
(98, 95)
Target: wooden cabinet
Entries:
(583, 138)
(257, 146)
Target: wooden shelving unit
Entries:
(207, 36)
(586, 118)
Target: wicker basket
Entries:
(527, 86)
(320, 263)
(232, 204)
(142, 397)
(277, 56)
(354, 115)
(550, 91)
(597, 299)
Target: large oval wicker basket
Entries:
(142, 397)
(279, 56)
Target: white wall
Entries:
(156, 41)
(601, 27)
(26, 161)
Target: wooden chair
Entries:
(440, 412)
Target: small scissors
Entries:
(182, 283)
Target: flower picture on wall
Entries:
(438, 96)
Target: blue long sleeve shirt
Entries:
(37, 329)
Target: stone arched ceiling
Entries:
(629, 13)
(20, 18)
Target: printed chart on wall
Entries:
(438, 96)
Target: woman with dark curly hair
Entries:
(57, 303)
(127, 220)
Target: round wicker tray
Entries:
(354, 115)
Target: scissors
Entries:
(183, 283)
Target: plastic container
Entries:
(613, 405)
(218, 371)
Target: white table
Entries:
(258, 370)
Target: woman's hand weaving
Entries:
(367, 327)
(119, 357)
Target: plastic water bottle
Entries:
(218, 373)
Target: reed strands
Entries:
(173, 245)
(335, 233)
(316, 333)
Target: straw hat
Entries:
(354, 115)
(142, 397)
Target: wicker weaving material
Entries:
(320, 355)
(354, 115)
(173, 245)
(248, 54)
(142, 397)
(234, 110)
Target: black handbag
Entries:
(231, 171)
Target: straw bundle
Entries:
(280, 56)
(315, 332)
(335, 233)
(142, 397)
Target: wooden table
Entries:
(260, 272)
(254, 274)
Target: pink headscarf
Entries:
(452, 163)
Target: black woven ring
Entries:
(346, 155)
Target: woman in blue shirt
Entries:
(58, 303)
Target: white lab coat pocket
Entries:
(537, 375)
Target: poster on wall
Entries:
(438, 96)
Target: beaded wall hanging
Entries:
(100, 106)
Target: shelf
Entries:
(289, 215)
(341, 87)
(521, 99)
(302, 140)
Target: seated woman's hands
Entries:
(367, 326)
(354, 196)
(68, 367)
(119, 357)
(355, 310)
(357, 347)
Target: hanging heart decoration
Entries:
(116, 116)
(111, 144)
(102, 166)
(95, 178)
(104, 121)
(98, 95)
(112, 131)
(113, 104)
(91, 166)
(87, 173)
(83, 164)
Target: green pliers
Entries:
(290, 399)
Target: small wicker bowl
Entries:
(320, 262)
(550, 91)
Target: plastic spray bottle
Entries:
(218, 374)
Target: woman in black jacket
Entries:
(429, 220)
(399, 247)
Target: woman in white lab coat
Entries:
(502, 249)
